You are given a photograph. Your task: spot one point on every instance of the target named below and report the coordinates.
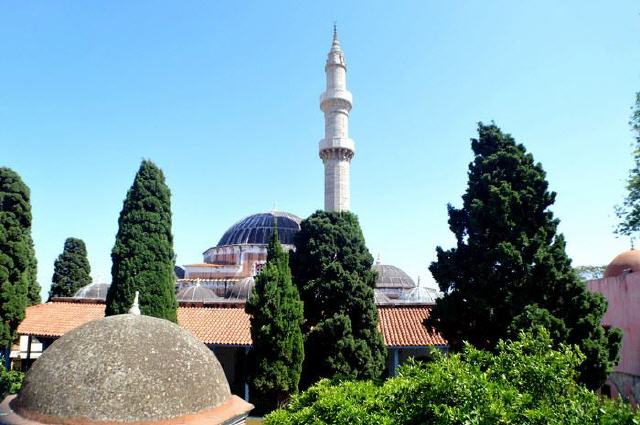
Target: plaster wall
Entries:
(623, 295)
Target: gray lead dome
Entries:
(392, 277)
(257, 228)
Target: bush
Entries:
(526, 382)
(10, 381)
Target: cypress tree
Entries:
(276, 320)
(331, 267)
(142, 256)
(17, 258)
(509, 269)
(71, 270)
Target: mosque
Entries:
(228, 269)
(212, 293)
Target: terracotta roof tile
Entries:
(56, 319)
(401, 326)
(215, 325)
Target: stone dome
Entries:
(126, 368)
(196, 293)
(94, 291)
(392, 277)
(627, 261)
(257, 228)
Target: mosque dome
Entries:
(242, 289)
(392, 277)
(94, 291)
(627, 261)
(257, 228)
(124, 369)
(196, 293)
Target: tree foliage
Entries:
(590, 272)
(509, 268)
(142, 256)
(276, 320)
(10, 381)
(525, 382)
(71, 270)
(331, 267)
(629, 212)
(17, 258)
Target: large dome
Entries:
(628, 261)
(126, 368)
(257, 228)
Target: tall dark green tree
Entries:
(276, 321)
(17, 259)
(629, 211)
(509, 268)
(331, 267)
(143, 257)
(71, 270)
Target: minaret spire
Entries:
(336, 149)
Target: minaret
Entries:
(336, 149)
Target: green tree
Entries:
(508, 257)
(590, 272)
(71, 270)
(331, 267)
(17, 259)
(142, 256)
(629, 211)
(276, 320)
(525, 382)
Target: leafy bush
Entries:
(526, 382)
(10, 381)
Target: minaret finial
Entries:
(335, 31)
(135, 308)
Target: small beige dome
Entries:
(125, 368)
(625, 262)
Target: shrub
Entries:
(526, 382)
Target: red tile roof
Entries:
(216, 325)
(401, 326)
(58, 318)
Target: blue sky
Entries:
(224, 97)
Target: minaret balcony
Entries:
(337, 143)
(337, 94)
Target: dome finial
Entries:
(135, 307)
(378, 262)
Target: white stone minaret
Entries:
(336, 149)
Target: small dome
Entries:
(94, 291)
(628, 261)
(392, 277)
(257, 228)
(196, 293)
(242, 289)
(126, 368)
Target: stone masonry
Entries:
(336, 149)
